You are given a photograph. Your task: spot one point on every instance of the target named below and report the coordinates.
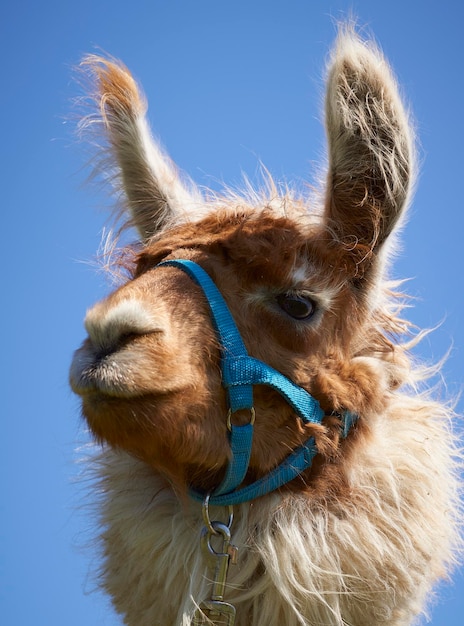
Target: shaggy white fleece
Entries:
(368, 560)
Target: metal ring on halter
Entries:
(206, 519)
(229, 417)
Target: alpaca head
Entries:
(303, 284)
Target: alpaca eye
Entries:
(298, 307)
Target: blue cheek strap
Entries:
(240, 372)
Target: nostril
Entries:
(111, 328)
(114, 344)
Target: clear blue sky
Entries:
(229, 83)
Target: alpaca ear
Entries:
(148, 179)
(370, 145)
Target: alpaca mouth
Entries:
(104, 374)
(131, 370)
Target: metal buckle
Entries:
(229, 417)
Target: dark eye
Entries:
(298, 307)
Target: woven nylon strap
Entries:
(240, 373)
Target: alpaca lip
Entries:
(128, 372)
(99, 373)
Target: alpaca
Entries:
(342, 506)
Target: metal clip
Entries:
(210, 611)
(206, 519)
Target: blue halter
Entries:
(240, 372)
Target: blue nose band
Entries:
(240, 372)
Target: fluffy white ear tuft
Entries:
(156, 195)
(371, 147)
